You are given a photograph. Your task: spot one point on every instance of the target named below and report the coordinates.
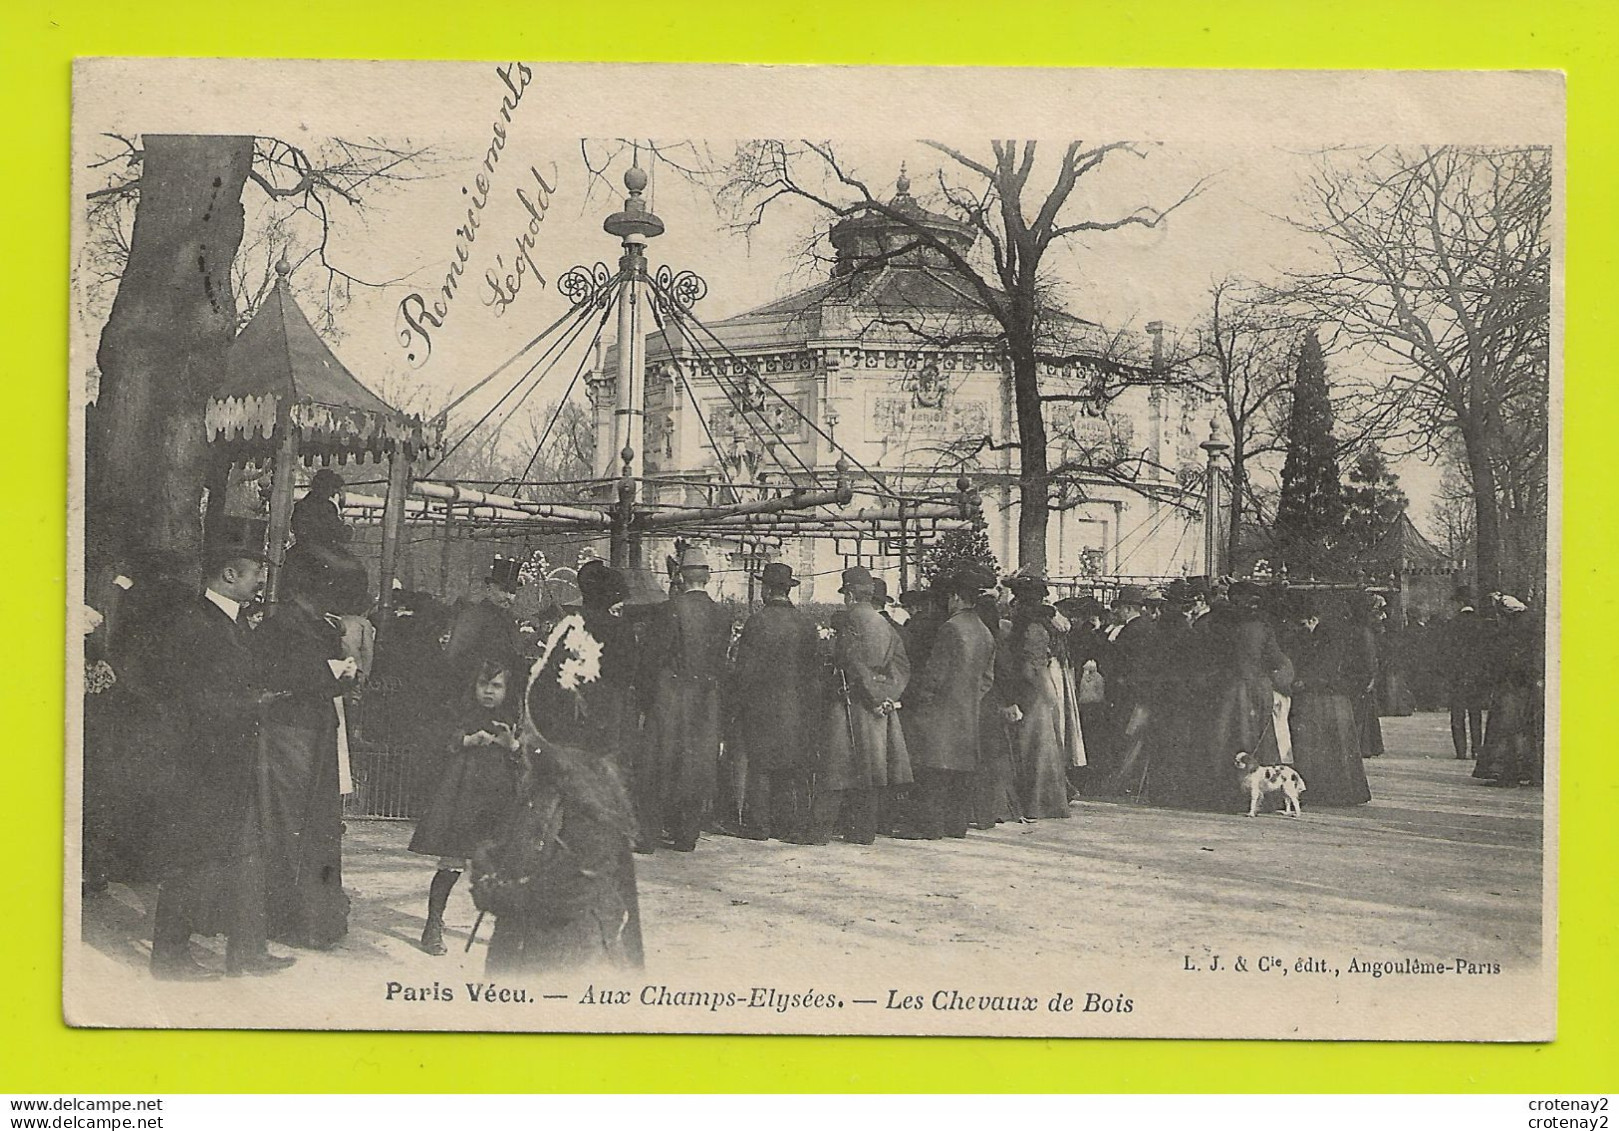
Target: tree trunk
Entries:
(1486, 514)
(162, 353)
(1034, 484)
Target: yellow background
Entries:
(40, 39)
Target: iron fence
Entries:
(385, 752)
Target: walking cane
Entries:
(848, 709)
(476, 923)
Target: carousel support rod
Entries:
(797, 500)
(904, 548)
(283, 476)
(393, 522)
(455, 493)
(913, 512)
(444, 549)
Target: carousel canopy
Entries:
(279, 368)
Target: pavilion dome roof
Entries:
(892, 234)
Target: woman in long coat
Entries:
(300, 652)
(995, 789)
(1513, 750)
(1365, 637)
(1030, 703)
(1246, 662)
(1086, 645)
(1326, 737)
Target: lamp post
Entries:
(1214, 448)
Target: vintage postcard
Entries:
(823, 550)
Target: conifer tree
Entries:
(957, 549)
(1311, 509)
(1373, 502)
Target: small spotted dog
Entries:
(1261, 781)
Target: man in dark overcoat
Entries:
(209, 835)
(865, 746)
(485, 627)
(944, 709)
(775, 695)
(1464, 659)
(683, 664)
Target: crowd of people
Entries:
(627, 727)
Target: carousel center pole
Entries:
(633, 226)
(1215, 448)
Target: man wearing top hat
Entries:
(485, 627)
(864, 745)
(944, 711)
(683, 663)
(209, 836)
(775, 691)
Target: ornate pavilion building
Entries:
(880, 361)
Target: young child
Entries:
(476, 791)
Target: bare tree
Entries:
(1244, 352)
(1002, 279)
(1451, 513)
(1439, 268)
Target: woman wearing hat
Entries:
(601, 714)
(1030, 706)
(1365, 632)
(1515, 668)
(300, 653)
(1248, 667)
(317, 518)
(1326, 741)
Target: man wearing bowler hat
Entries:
(865, 746)
(1463, 659)
(683, 664)
(775, 689)
(209, 836)
(946, 698)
